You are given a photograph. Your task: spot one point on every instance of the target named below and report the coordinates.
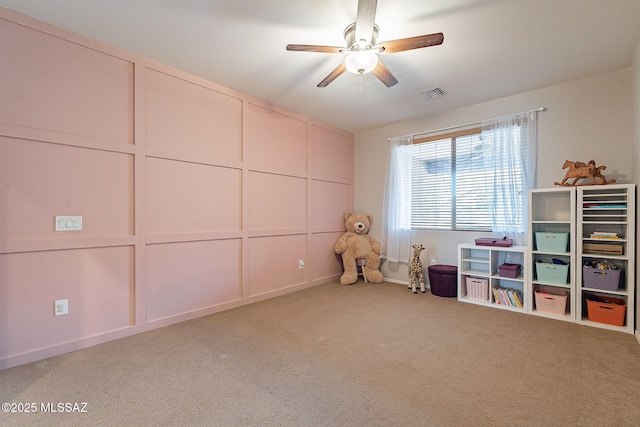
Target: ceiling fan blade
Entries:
(333, 75)
(365, 19)
(314, 48)
(385, 76)
(411, 43)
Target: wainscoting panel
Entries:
(98, 283)
(277, 142)
(39, 181)
(273, 263)
(325, 262)
(185, 118)
(331, 154)
(330, 200)
(184, 197)
(277, 201)
(189, 276)
(50, 84)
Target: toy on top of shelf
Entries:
(581, 170)
(489, 241)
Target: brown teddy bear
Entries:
(358, 248)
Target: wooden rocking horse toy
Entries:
(580, 170)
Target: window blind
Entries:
(469, 198)
(450, 177)
(431, 185)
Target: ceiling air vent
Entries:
(433, 93)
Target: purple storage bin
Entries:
(509, 270)
(443, 280)
(598, 278)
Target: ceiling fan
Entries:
(362, 51)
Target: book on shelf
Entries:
(605, 206)
(604, 235)
(507, 296)
(518, 300)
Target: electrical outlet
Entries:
(61, 307)
(433, 261)
(301, 263)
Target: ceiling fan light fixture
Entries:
(362, 49)
(361, 61)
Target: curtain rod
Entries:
(413, 135)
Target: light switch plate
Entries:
(68, 223)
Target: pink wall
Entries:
(185, 189)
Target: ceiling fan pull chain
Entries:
(360, 86)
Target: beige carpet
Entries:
(333, 355)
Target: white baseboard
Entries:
(638, 336)
(403, 282)
(400, 282)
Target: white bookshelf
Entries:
(482, 262)
(585, 215)
(606, 210)
(552, 210)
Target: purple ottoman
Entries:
(443, 280)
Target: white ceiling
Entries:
(491, 49)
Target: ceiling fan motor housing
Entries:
(350, 37)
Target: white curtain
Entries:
(396, 211)
(510, 152)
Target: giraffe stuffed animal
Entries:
(416, 272)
